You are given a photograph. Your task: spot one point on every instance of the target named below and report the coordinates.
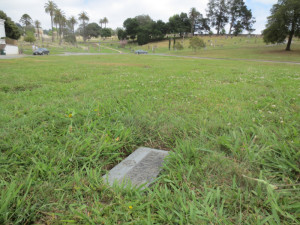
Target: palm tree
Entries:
(72, 22)
(56, 21)
(84, 18)
(60, 20)
(37, 26)
(50, 8)
(193, 15)
(101, 22)
(105, 21)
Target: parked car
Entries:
(141, 52)
(41, 51)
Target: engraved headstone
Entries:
(140, 167)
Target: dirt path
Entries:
(111, 49)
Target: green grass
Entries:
(240, 47)
(233, 133)
(55, 48)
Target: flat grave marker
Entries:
(140, 167)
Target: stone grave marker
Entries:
(140, 167)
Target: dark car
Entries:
(141, 52)
(41, 51)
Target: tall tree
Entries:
(84, 19)
(121, 34)
(56, 20)
(179, 23)
(101, 22)
(50, 8)
(60, 20)
(144, 28)
(202, 25)
(11, 29)
(283, 22)
(37, 26)
(72, 22)
(105, 21)
(158, 29)
(92, 30)
(131, 27)
(26, 20)
(240, 17)
(105, 32)
(194, 16)
(217, 12)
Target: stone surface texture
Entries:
(140, 167)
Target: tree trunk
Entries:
(52, 28)
(84, 39)
(288, 46)
(38, 32)
(56, 33)
(59, 34)
(231, 26)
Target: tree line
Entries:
(66, 27)
(219, 14)
(284, 22)
(62, 28)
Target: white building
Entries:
(9, 49)
(2, 32)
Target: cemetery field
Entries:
(56, 49)
(232, 129)
(240, 47)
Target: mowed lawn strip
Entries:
(232, 129)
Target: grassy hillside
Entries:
(233, 133)
(55, 48)
(242, 47)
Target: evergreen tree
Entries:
(283, 22)
(240, 17)
(217, 13)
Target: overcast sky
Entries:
(118, 10)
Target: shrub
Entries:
(196, 43)
(178, 46)
(29, 37)
(142, 38)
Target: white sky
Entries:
(118, 10)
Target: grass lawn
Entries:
(55, 48)
(232, 129)
(240, 47)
